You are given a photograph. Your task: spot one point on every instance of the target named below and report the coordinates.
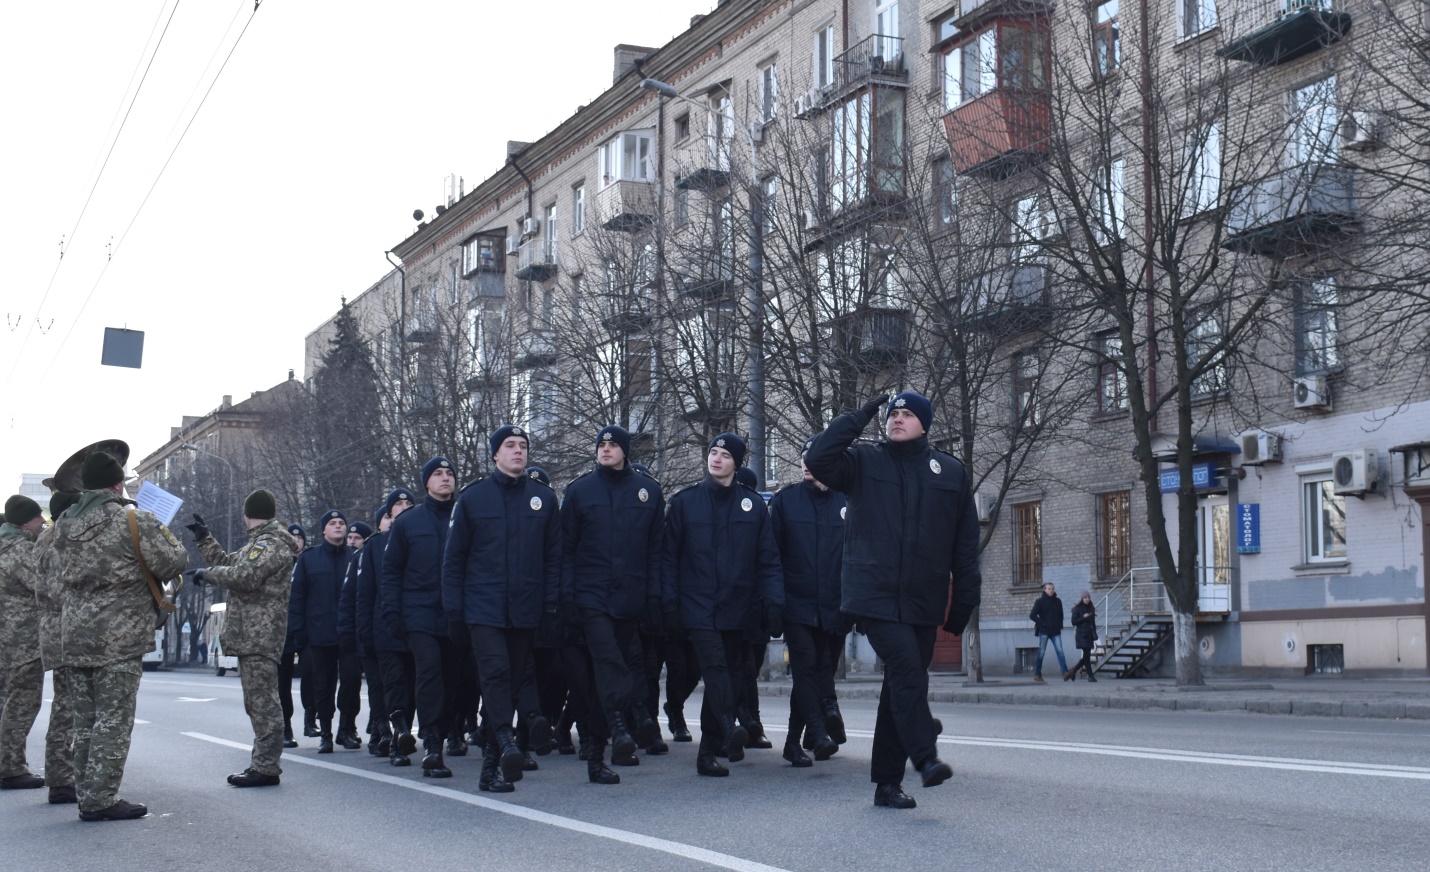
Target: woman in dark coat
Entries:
(1084, 620)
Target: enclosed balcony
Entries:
(874, 338)
(536, 261)
(1309, 204)
(627, 206)
(626, 315)
(486, 286)
(706, 275)
(422, 325)
(534, 348)
(1288, 31)
(995, 94)
(1009, 300)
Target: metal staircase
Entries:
(1134, 620)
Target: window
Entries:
(682, 207)
(867, 154)
(481, 253)
(1106, 39)
(548, 244)
(1324, 519)
(720, 130)
(1317, 334)
(1026, 368)
(454, 285)
(1203, 162)
(824, 47)
(1028, 543)
(1203, 335)
(1111, 377)
(1007, 55)
(1032, 224)
(1114, 516)
(886, 23)
(769, 93)
(578, 210)
(1314, 120)
(1110, 194)
(945, 195)
(769, 204)
(1195, 16)
(626, 158)
(682, 127)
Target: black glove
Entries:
(957, 621)
(198, 577)
(459, 634)
(671, 616)
(198, 528)
(652, 612)
(871, 408)
(301, 640)
(570, 615)
(397, 629)
(775, 620)
(347, 646)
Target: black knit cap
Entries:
(395, 495)
(21, 510)
(361, 528)
(260, 505)
(915, 402)
(731, 443)
(432, 466)
(60, 501)
(297, 530)
(618, 435)
(101, 470)
(539, 474)
(505, 432)
(329, 515)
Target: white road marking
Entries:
(197, 699)
(140, 721)
(678, 849)
(1294, 764)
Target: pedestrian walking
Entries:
(1047, 618)
(1084, 621)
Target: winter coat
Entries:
(411, 586)
(911, 527)
(503, 562)
(808, 525)
(1047, 615)
(317, 584)
(611, 525)
(720, 555)
(1084, 619)
(372, 632)
(257, 578)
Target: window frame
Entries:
(1110, 370)
(578, 209)
(1213, 380)
(1114, 534)
(1110, 196)
(768, 91)
(823, 56)
(1317, 491)
(1027, 411)
(1106, 31)
(1028, 543)
(611, 156)
(1203, 161)
(1317, 317)
(1206, 13)
(1314, 123)
(945, 194)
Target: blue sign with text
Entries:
(1248, 528)
(1203, 475)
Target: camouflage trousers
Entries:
(21, 704)
(259, 677)
(104, 698)
(59, 738)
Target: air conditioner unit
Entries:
(1355, 472)
(757, 131)
(1258, 447)
(984, 505)
(530, 226)
(801, 105)
(513, 245)
(1312, 392)
(811, 219)
(1360, 131)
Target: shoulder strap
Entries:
(154, 591)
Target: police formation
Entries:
(503, 617)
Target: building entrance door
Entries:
(1214, 555)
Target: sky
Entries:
(329, 124)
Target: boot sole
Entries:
(800, 762)
(884, 803)
(511, 766)
(437, 773)
(407, 744)
(625, 746)
(103, 815)
(824, 752)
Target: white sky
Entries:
(331, 123)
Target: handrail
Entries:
(1135, 594)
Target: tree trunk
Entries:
(1184, 642)
(973, 650)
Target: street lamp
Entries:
(756, 352)
(228, 514)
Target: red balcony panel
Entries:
(1006, 125)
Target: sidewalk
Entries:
(1322, 696)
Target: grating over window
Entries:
(1028, 543)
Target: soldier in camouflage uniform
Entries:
(19, 641)
(50, 595)
(109, 618)
(256, 577)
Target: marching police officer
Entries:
(313, 617)
(349, 662)
(394, 660)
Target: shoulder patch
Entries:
(256, 550)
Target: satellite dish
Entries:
(417, 215)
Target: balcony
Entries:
(627, 206)
(486, 285)
(423, 401)
(708, 275)
(876, 59)
(534, 348)
(1298, 29)
(972, 13)
(626, 315)
(422, 326)
(535, 263)
(874, 338)
(1310, 204)
(1008, 300)
(708, 178)
(999, 133)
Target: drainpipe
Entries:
(401, 344)
(530, 187)
(1148, 274)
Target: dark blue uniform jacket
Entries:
(317, 584)
(809, 532)
(373, 635)
(411, 583)
(611, 523)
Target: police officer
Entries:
(379, 736)
(22, 673)
(719, 550)
(393, 659)
(611, 524)
(754, 651)
(257, 578)
(349, 662)
(313, 617)
(412, 607)
(808, 522)
(911, 527)
(502, 573)
(108, 626)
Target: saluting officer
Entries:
(719, 549)
(501, 574)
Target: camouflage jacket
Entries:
(49, 596)
(19, 616)
(108, 610)
(257, 578)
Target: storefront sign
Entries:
(1203, 476)
(1248, 528)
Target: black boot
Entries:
(325, 737)
(310, 725)
(456, 745)
(794, 754)
(563, 743)
(540, 738)
(679, 732)
(584, 753)
(754, 730)
(622, 745)
(491, 779)
(528, 762)
(348, 738)
(597, 770)
(705, 762)
(647, 730)
(616, 759)
(657, 747)
(823, 745)
(403, 742)
(510, 757)
(935, 772)
(735, 739)
(288, 740)
(384, 739)
(433, 766)
(834, 721)
(892, 796)
(374, 745)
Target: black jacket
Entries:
(911, 526)
(503, 564)
(808, 525)
(347, 599)
(1047, 615)
(411, 585)
(317, 585)
(1084, 619)
(611, 523)
(720, 555)
(372, 633)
